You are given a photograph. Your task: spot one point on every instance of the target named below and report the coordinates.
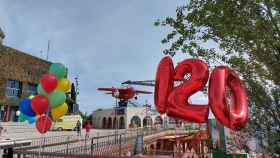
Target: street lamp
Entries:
(116, 95)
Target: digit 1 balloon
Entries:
(56, 98)
(39, 104)
(43, 124)
(48, 83)
(59, 70)
(25, 108)
(163, 83)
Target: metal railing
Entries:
(120, 144)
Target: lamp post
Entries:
(116, 95)
(75, 108)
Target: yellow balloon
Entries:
(64, 85)
(31, 96)
(59, 111)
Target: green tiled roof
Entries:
(133, 104)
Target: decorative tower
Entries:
(2, 36)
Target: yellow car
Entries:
(67, 122)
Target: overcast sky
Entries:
(104, 42)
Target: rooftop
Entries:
(9, 50)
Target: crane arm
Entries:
(150, 83)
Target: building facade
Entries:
(19, 75)
(132, 116)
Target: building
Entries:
(133, 115)
(19, 76)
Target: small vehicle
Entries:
(67, 122)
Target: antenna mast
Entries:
(48, 50)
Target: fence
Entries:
(119, 143)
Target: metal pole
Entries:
(85, 145)
(116, 124)
(67, 146)
(91, 147)
(120, 145)
(97, 140)
(49, 45)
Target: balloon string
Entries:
(48, 111)
(44, 128)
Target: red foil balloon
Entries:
(49, 82)
(178, 105)
(163, 83)
(39, 104)
(43, 124)
(234, 117)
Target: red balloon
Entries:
(43, 124)
(49, 82)
(234, 116)
(39, 104)
(178, 105)
(163, 83)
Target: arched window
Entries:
(158, 121)
(109, 123)
(158, 145)
(115, 123)
(121, 123)
(104, 123)
(147, 121)
(135, 121)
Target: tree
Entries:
(245, 34)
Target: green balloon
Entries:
(22, 117)
(56, 98)
(59, 70)
(41, 91)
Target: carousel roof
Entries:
(200, 135)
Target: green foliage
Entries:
(246, 36)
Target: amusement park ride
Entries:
(123, 94)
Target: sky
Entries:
(103, 42)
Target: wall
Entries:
(20, 66)
(97, 117)
(135, 111)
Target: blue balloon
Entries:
(31, 120)
(25, 108)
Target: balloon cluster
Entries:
(51, 96)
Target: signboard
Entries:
(217, 134)
(120, 111)
(139, 145)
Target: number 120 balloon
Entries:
(173, 100)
